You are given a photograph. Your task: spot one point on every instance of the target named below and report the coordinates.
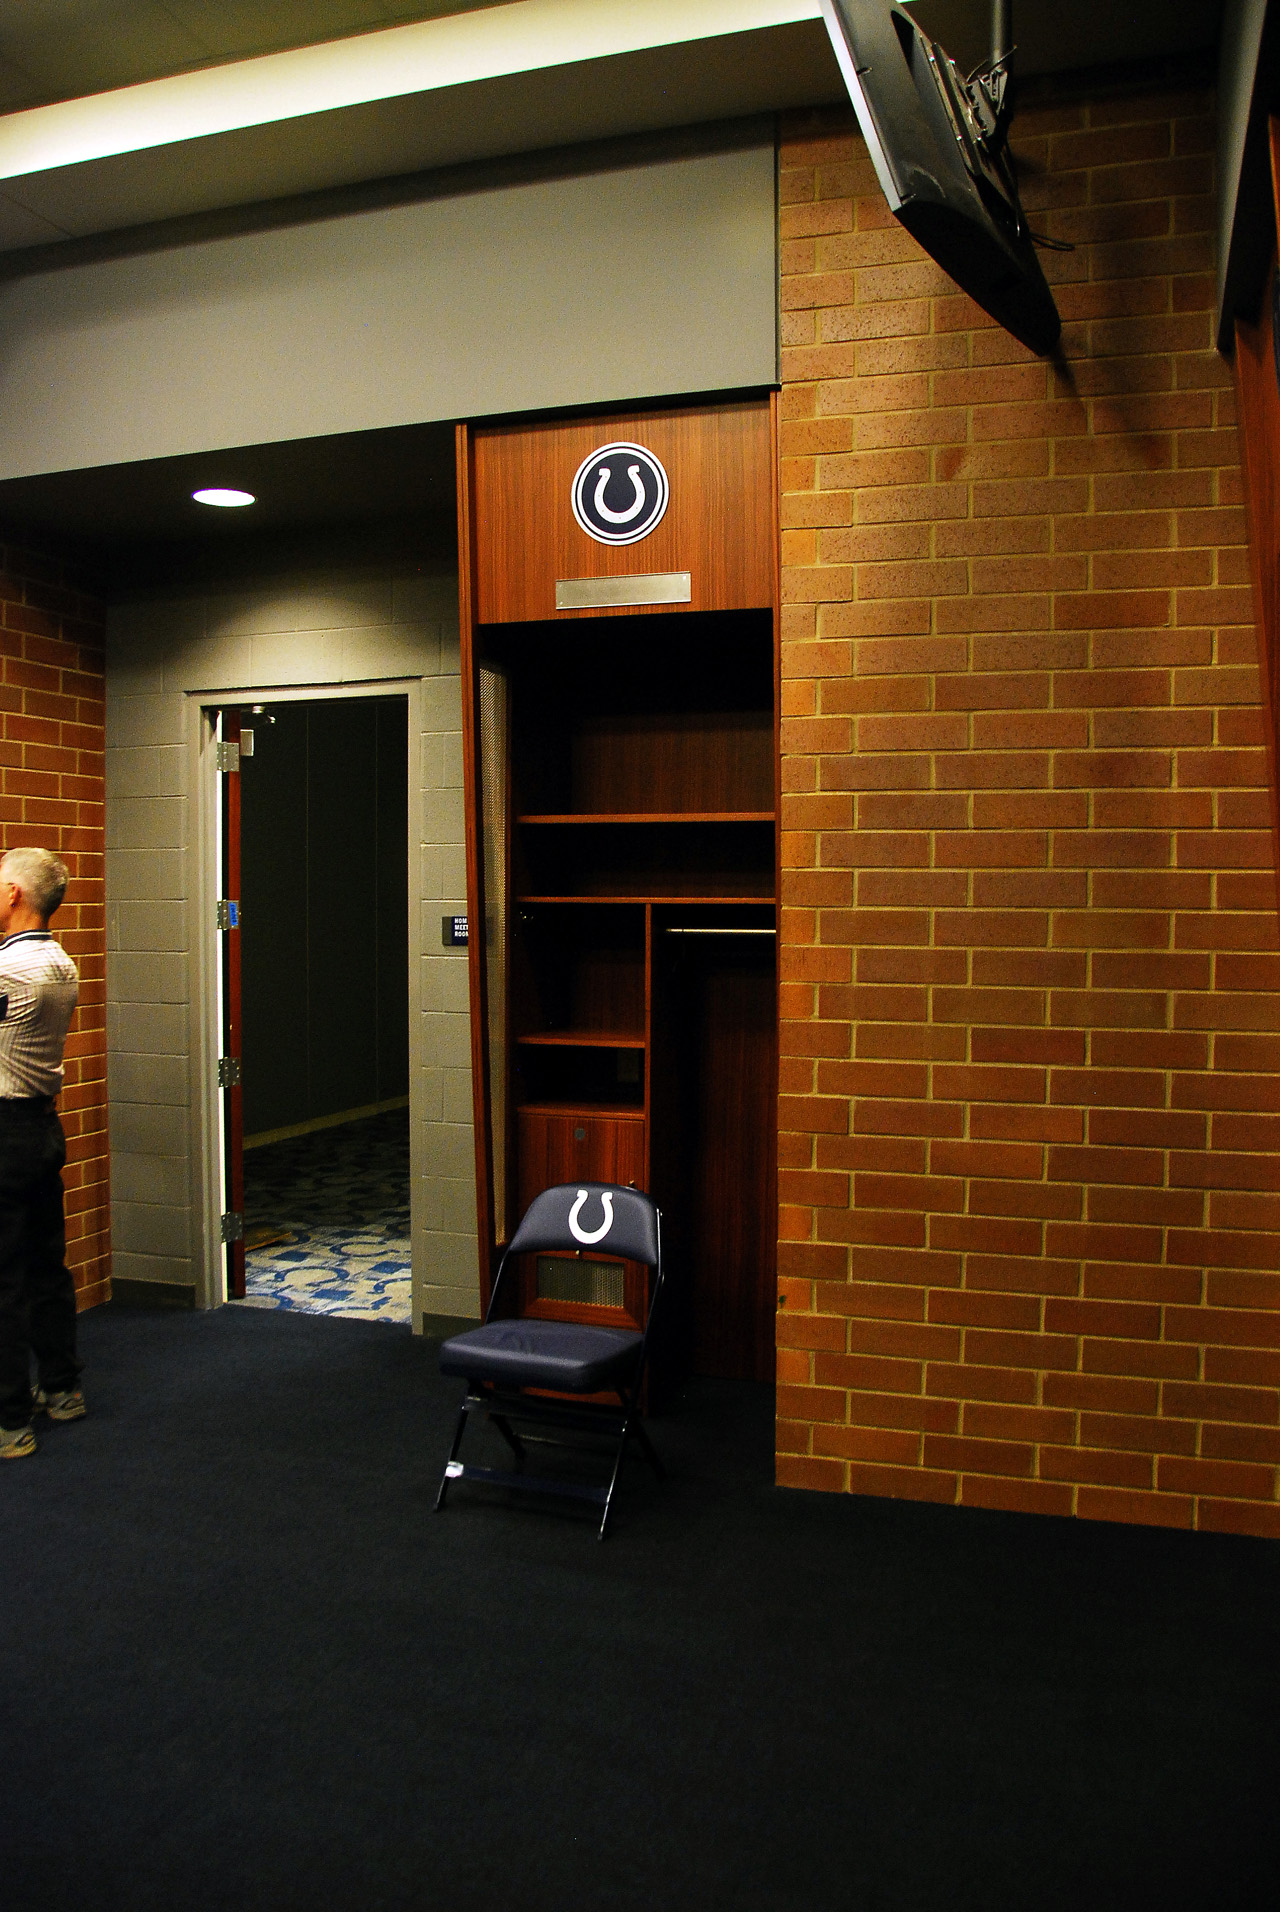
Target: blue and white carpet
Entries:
(327, 1221)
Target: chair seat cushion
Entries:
(534, 1353)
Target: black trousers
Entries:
(37, 1292)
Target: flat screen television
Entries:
(937, 142)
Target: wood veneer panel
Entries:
(689, 897)
(478, 982)
(576, 1039)
(735, 1220)
(640, 817)
(581, 970)
(717, 525)
(714, 1091)
(679, 761)
(613, 859)
(578, 1145)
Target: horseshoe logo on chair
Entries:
(624, 468)
(586, 1236)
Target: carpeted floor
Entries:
(245, 1669)
(327, 1221)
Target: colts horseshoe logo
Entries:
(619, 494)
(589, 1237)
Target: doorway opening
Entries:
(316, 1006)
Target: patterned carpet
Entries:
(327, 1221)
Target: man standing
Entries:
(38, 991)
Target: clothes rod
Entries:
(726, 931)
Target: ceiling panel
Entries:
(395, 476)
(61, 49)
(728, 76)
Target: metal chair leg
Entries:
(649, 1454)
(509, 1435)
(617, 1469)
(453, 1455)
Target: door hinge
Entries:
(229, 1075)
(228, 756)
(228, 913)
(232, 1227)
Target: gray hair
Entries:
(39, 874)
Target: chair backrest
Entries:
(577, 1215)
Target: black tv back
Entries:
(938, 145)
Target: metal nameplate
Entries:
(598, 594)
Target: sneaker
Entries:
(67, 1405)
(15, 1442)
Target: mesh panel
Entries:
(595, 1284)
(494, 724)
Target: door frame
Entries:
(205, 1006)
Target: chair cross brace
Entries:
(622, 1423)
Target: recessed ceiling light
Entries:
(215, 496)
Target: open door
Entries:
(230, 738)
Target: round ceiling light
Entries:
(214, 495)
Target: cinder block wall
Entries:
(51, 793)
(1031, 1024)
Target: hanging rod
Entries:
(726, 931)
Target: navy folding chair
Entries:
(505, 1358)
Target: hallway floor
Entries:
(247, 1669)
(330, 1214)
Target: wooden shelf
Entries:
(583, 1039)
(655, 816)
(579, 1105)
(647, 896)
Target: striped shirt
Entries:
(38, 992)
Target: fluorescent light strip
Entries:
(392, 63)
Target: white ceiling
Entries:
(61, 49)
(493, 82)
(116, 114)
(58, 50)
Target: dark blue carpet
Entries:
(245, 1669)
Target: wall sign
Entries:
(619, 494)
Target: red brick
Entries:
(978, 1456)
(1097, 1467)
(1184, 1474)
(799, 1470)
(1015, 1496)
(995, 1421)
(977, 1383)
(1145, 1434)
(901, 1483)
(1238, 1517)
(1127, 1504)
(1108, 1394)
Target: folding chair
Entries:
(505, 1358)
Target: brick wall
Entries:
(51, 793)
(1030, 1207)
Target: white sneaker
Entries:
(66, 1405)
(16, 1442)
